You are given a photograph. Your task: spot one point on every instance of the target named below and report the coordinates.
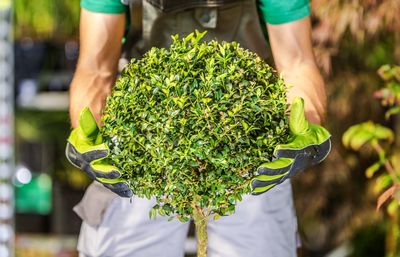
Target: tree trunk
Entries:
(200, 221)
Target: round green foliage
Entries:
(190, 124)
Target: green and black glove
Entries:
(309, 145)
(86, 150)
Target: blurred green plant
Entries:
(43, 19)
(51, 128)
(352, 39)
(380, 139)
(390, 95)
(338, 20)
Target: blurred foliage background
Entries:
(46, 19)
(335, 202)
(46, 51)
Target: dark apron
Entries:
(154, 21)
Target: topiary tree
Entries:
(190, 124)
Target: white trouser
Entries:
(262, 226)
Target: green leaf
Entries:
(393, 207)
(206, 100)
(358, 135)
(372, 169)
(382, 182)
(392, 111)
(383, 133)
(245, 125)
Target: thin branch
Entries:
(387, 164)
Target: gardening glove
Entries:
(87, 151)
(309, 145)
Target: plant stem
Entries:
(200, 221)
(387, 164)
(392, 235)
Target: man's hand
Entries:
(86, 150)
(309, 145)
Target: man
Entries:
(263, 225)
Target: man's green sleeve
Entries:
(283, 11)
(103, 6)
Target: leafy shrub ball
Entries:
(190, 124)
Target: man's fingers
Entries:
(126, 194)
(306, 152)
(85, 155)
(265, 180)
(90, 159)
(95, 155)
(105, 170)
(271, 174)
(120, 188)
(311, 154)
(73, 156)
(276, 167)
(260, 190)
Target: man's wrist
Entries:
(89, 89)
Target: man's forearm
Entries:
(294, 58)
(100, 48)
